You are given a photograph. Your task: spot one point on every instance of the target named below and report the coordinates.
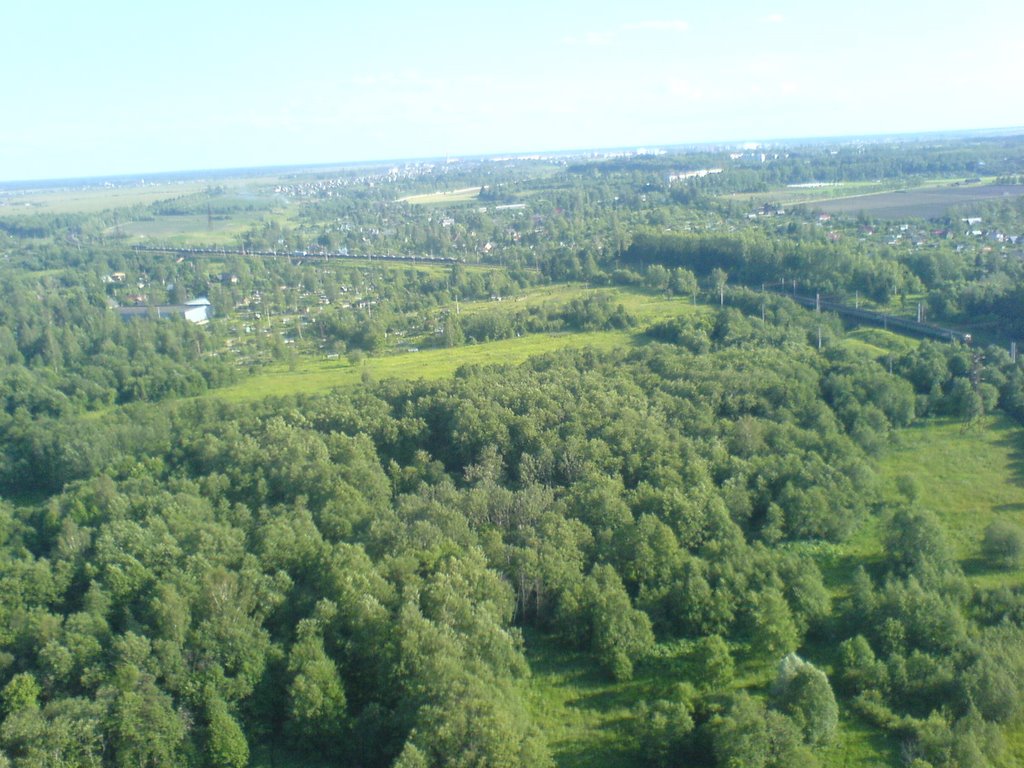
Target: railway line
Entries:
(884, 319)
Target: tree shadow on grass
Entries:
(613, 753)
(1011, 436)
(1019, 507)
(981, 566)
(604, 735)
(608, 701)
(613, 738)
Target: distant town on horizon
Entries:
(592, 152)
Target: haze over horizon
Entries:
(117, 89)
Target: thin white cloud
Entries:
(407, 78)
(662, 25)
(593, 39)
(684, 89)
(775, 18)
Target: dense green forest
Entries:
(370, 575)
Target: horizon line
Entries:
(230, 171)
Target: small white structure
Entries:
(198, 311)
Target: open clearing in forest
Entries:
(455, 196)
(969, 475)
(92, 199)
(645, 306)
(799, 195)
(431, 364)
(589, 721)
(100, 194)
(192, 229)
(310, 376)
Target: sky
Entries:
(109, 87)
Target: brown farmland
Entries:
(926, 203)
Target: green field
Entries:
(586, 718)
(435, 198)
(589, 720)
(926, 202)
(199, 229)
(969, 476)
(807, 195)
(93, 199)
(309, 375)
(640, 303)
(875, 197)
(321, 376)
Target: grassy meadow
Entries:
(310, 375)
(222, 230)
(851, 195)
(446, 198)
(93, 198)
(969, 475)
(589, 720)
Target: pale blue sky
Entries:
(110, 87)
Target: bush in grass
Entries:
(664, 725)
(1004, 544)
(803, 692)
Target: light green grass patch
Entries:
(434, 198)
(886, 342)
(585, 715)
(640, 303)
(311, 376)
(94, 198)
(589, 719)
(784, 195)
(194, 229)
(858, 745)
(969, 476)
(865, 348)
